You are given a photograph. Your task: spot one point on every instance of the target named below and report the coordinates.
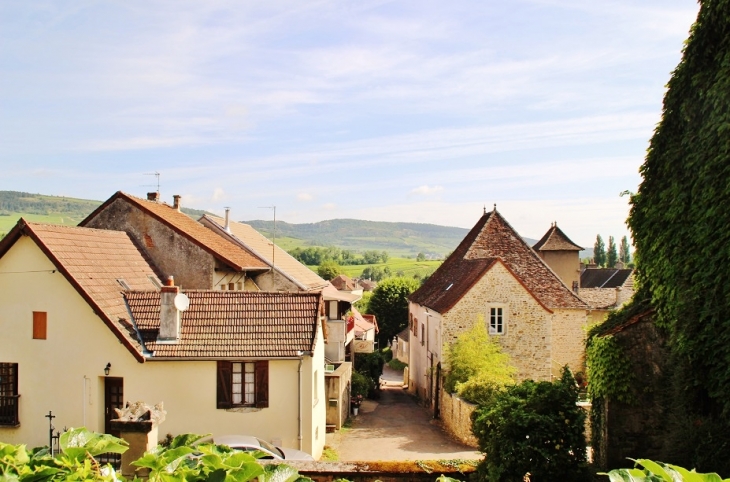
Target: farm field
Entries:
(407, 266)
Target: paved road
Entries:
(396, 428)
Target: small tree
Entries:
(389, 303)
(535, 428)
(599, 251)
(623, 252)
(421, 257)
(612, 254)
(329, 270)
(477, 366)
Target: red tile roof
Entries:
(556, 240)
(222, 249)
(493, 240)
(232, 324)
(93, 260)
(343, 283)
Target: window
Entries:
(496, 320)
(9, 394)
(243, 384)
(40, 319)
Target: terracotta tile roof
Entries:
(556, 240)
(261, 246)
(599, 298)
(606, 278)
(93, 260)
(493, 240)
(231, 324)
(363, 323)
(222, 249)
(343, 283)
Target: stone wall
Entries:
(527, 337)
(568, 340)
(455, 415)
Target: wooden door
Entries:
(113, 398)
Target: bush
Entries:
(361, 384)
(535, 428)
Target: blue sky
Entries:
(419, 111)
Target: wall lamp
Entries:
(301, 353)
(107, 369)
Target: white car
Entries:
(249, 443)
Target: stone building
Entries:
(494, 277)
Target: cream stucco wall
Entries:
(566, 264)
(64, 373)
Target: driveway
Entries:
(396, 428)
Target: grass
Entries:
(8, 222)
(329, 454)
(398, 266)
(396, 364)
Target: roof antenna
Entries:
(495, 207)
(157, 175)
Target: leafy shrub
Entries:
(370, 365)
(659, 471)
(477, 367)
(396, 364)
(361, 384)
(535, 428)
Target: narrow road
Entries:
(396, 428)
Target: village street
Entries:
(395, 427)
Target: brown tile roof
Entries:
(222, 249)
(606, 278)
(343, 283)
(493, 240)
(93, 260)
(232, 324)
(261, 246)
(556, 240)
(599, 298)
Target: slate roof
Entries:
(232, 324)
(261, 246)
(490, 241)
(93, 260)
(605, 278)
(222, 249)
(556, 240)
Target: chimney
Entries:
(153, 196)
(176, 201)
(169, 314)
(228, 225)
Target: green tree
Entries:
(679, 221)
(329, 270)
(421, 257)
(477, 366)
(599, 251)
(533, 427)
(623, 251)
(612, 253)
(389, 304)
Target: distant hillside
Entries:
(50, 209)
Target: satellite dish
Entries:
(182, 302)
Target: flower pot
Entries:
(355, 410)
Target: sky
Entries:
(416, 111)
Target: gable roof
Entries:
(264, 249)
(556, 240)
(605, 277)
(493, 240)
(344, 283)
(93, 260)
(222, 249)
(231, 324)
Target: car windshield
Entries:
(270, 448)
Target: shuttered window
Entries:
(243, 384)
(39, 325)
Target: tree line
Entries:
(317, 255)
(608, 257)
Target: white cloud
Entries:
(426, 190)
(304, 196)
(218, 194)
(329, 206)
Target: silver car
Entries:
(249, 443)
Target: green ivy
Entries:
(609, 370)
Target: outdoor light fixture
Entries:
(107, 369)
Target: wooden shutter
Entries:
(223, 395)
(39, 325)
(262, 383)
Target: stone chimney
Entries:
(619, 265)
(176, 201)
(228, 223)
(169, 314)
(153, 196)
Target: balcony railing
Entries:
(9, 410)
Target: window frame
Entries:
(225, 384)
(500, 311)
(9, 402)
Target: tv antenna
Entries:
(157, 175)
(273, 246)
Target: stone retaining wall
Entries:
(455, 415)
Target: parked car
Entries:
(249, 443)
